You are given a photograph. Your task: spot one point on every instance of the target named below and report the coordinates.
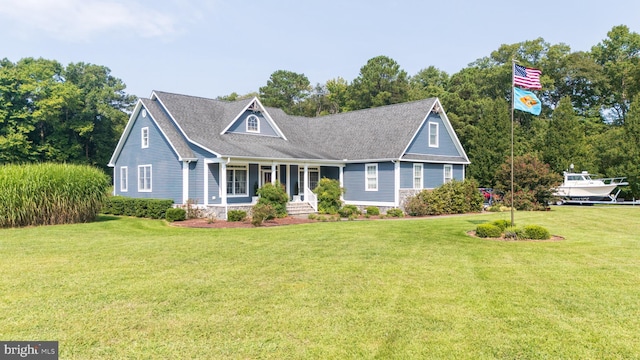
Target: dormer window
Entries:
(253, 124)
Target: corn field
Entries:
(48, 194)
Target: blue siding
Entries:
(420, 144)
(214, 183)
(196, 174)
(166, 169)
(240, 126)
(354, 183)
(433, 175)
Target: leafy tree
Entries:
(285, 90)
(338, 94)
(329, 193)
(381, 82)
(532, 185)
(429, 82)
(619, 57)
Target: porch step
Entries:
(299, 208)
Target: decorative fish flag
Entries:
(526, 101)
(526, 77)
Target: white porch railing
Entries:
(311, 198)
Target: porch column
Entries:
(223, 183)
(341, 181)
(185, 182)
(288, 187)
(274, 173)
(306, 178)
(206, 183)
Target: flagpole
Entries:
(513, 70)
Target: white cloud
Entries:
(78, 20)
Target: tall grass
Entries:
(48, 194)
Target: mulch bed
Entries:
(220, 224)
(553, 238)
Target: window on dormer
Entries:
(253, 124)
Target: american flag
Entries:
(526, 77)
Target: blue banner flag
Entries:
(526, 101)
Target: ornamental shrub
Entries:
(417, 205)
(236, 215)
(329, 193)
(146, 208)
(488, 231)
(276, 196)
(175, 214)
(513, 232)
(395, 212)
(454, 197)
(502, 224)
(536, 232)
(372, 210)
(348, 211)
(262, 212)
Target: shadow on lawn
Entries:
(103, 218)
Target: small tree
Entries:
(533, 182)
(276, 196)
(329, 193)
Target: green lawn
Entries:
(126, 288)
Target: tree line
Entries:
(590, 116)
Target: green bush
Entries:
(536, 232)
(395, 212)
(236, 215)
(502, 224)
(262, 212)
(145, 208)
(47, 194)
(276, 196)
(488, 231)
(349, 211)
(513, 232)
(329, 193)
(175, 214)
(372, 210)
(454, 197)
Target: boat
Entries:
(581, 187)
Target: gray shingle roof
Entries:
(376, 133)
(170, 131)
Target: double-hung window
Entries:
(371, 177)
(433, 134)
(448, 173)
(124, 179)
(417, 176)
(237, 180)
(144, 178)
(144, 137)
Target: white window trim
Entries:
(415, 166)
(367, 178)
(444, 173)
(141, 172)
(233, 188)
(437, 129)
(257, 124)
(124, 179)
(144, 137)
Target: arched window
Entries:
(253, 124)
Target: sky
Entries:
(217, 47)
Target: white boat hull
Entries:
(591, 193)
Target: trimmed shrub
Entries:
(488, 231)
(395, 212)
(417, 205)
(454, 197)
(372, 210)
(536, 232)
(513, 232)
(48, 194)
(175, 214)
(348, 211)
(276, 196)
(329, 193)
(502, 224)
(262, 212)
(236, 215)
(145, 208)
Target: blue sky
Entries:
(214, 48)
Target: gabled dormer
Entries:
(254, 120)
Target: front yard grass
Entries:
(126, 288)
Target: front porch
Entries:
(233, 183)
